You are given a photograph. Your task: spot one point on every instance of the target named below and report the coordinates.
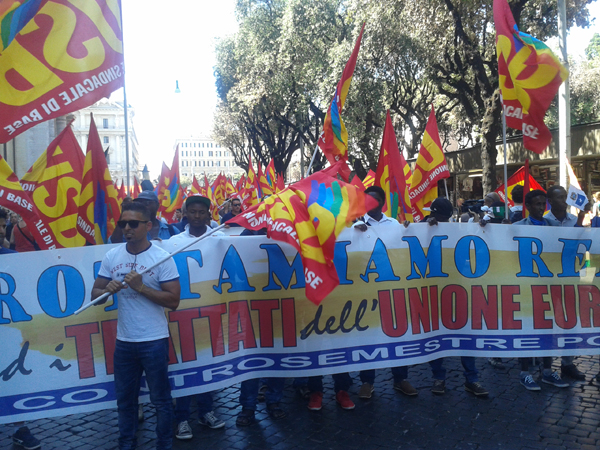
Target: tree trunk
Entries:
(491, 128)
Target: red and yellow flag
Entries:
(333, 141)
(264, 186)
(56, 57)
(356, 182)
(430, 167)
(99, 206)
(529, 74)
(369, 179)
(515, 179)
(170, 197)
(251, 189)
(280, 182)
(393, 176)
(196, 189)
(122, 193)
(271, 176)
(309, 215)
(54, 184)
(136, 188)
(13, 197)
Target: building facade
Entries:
(203, 155)
(110, 121)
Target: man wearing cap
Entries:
(160, 230)
(381, 223)
(198, 216)
(441, 211)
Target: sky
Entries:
(166, 45)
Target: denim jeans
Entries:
(341, 382)
(249, 392)
(182, 406)
(468, 363)
(131, 359)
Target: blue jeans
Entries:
(131, 359)
(182, 406)
(341, 382)
(249, 392)
(468, 363)
(399, 373)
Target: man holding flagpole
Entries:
(142, 329)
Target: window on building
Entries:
(194, 151)
(182, 152)
(218, 163)
(194, 144)
(211, 145)
(203, 145)
(104, 123)
(108, 158)
(210, 153)
(195, 163)
(201, 153)
(106, 140)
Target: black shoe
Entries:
(24, 438)
(476, 389)
(497, 363)
(245, 418)
(573, 372)
(439, 387)
(275, 412)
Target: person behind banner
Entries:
(22, 240)
(196, 211)
(381, 223)
(535, 203)
(441, 211)
(558, 216)
(516, 211)
(14, 220)
(236, 208)
(142, 329)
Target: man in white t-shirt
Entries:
(142, 328)
(381, 223)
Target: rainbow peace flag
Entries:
(14, 15)
(309, 215)
(333, 141)
(529, 75)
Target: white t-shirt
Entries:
(140, 320)
(384, 222)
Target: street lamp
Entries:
(146, 173)
(177, 91)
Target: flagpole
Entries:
(312, 160)
(125, 107)
(505, 162)
(179, 250)
(446, 187)
(564, 101)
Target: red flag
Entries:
(333, 141)
(251, 190)
(271, 176)
(529, 74)
(53, 184)
(309, 215)
(369, 179)
(196, 189)
(99, 207)
(280, 182)
(263, 184)
(13, 197)
(136, 188)
(517, 178)
(430, 167)
(56, 58)
(356, 182)
(526, 187)
(122, 193)
(393, 176)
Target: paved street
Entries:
(511, 418)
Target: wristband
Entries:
(142, 288)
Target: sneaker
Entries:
(496, 363)
(343, 400)
(406, 388)
(315, 403)
(555, 380)
(439, 387)
(529, 384)
(573, 372)
(211, 421)
(184, 432)
(303, 391)
(477, 389)
(24, 438)
(366, 390)
(140, 413)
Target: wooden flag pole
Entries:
(505, 162)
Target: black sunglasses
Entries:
(236, 204)
(131, 223)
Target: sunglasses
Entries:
(236, 204)
(131, 223)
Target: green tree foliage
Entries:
(276, 76)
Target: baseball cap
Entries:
(147, 195)
(442, 206)
(197, 199)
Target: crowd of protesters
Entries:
(143, 348)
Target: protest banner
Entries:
(406, 297)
